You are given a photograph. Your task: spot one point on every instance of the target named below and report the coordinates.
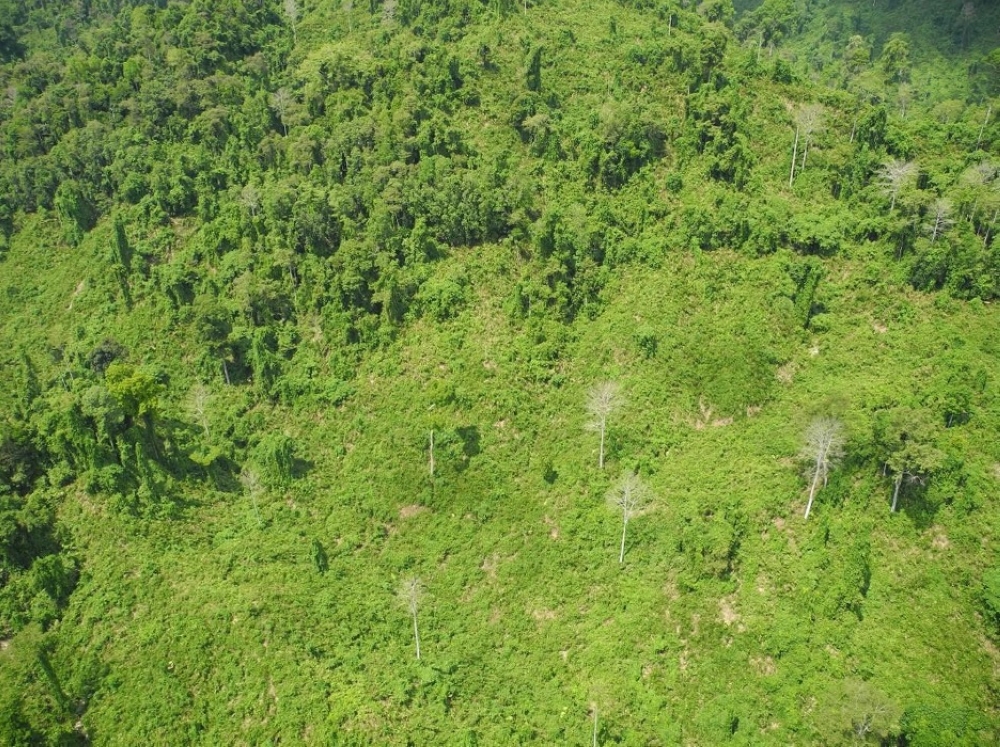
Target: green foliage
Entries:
(934, 725)
(991, 597)
(274, 458)
(254, 254)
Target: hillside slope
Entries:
(306, 302)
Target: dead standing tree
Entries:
(808, 121)
(603, 399)
(411, 592)
(629, 496)
(893, 176)
(824, 448)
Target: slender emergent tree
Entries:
(939, 218)
(809, 121)
(292, 12)
(411, 591)
(824, 448)
(254, 487)
(894, 175)
(431, 455)
(198, 405)
(601, 402)
(629, 496)
(795, 151)
(281, 102)
(250, 199)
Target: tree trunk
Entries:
(416, 635)
(621, 555)
(812, 490)
(432, 454)
(895, 493)
(979, 141)
(795, 151)
(600, 458)
(225, 371)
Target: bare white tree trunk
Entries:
(432, 454)
(411, 590)
(795, 150)
(416, 634)
(989, 110)
(895, 493)
(602, 400)
(628, 495)
(600, 457)
(824, 448)
(621, 555)
(812, 489)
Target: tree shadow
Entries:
(916, 503)
(301, 467)
(470, 438)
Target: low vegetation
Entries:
(331, 331)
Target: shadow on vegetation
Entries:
(301, 467)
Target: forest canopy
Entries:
(465, 372)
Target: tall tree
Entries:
(904, 437)
(895, 58)
(810, 122)
(411, 592)
(893, 175)
(198, 402)
(823, 449)
(282, 101)
(939, 218)
(629, 496)
(603, 399)
(251, 481)
(292, 13)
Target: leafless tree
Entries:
(904, 97)
(603, 399)
(281, 102)
(986, 121)
(795, 156)
(939, 218)
(894, 175)
(389, 11)
(254, 487)
(629, 496)
(348, 8)
(250, 199)
(198, 402)
(292, 11)
(810, 121)
(411, 592)
(823, 450)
